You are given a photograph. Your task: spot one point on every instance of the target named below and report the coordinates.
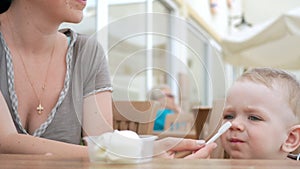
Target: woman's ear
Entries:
(293, 140)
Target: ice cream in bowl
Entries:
(120, 147)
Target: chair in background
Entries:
(201, 113)
(179, 122)
(199, 118)
(188, 125)
(212, 125)
(297, 151)
(136, 116)
(179, 125)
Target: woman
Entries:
(164, 96)
(55, 85)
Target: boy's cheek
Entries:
(223, 140)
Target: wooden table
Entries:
(51, 162)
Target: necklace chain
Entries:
(39, 108)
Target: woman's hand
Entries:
(203, 152)
(168, 147)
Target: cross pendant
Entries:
(40, 109)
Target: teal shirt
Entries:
(160, 119)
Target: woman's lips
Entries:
(82, 1)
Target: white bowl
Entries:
(116, 148)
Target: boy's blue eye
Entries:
(254, 118)
(228, 117)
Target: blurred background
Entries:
(176, 42)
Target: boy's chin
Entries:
(238, 155)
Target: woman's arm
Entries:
(97, 114)
(13, 142)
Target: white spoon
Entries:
(221, 130)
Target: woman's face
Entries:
(55, 10)
(168, 99)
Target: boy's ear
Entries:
(293, 140)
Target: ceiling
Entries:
(258, 11)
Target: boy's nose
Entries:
(237, 124)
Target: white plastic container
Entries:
(118, 147)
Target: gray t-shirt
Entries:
(87, 73)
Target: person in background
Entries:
(263, 107)
(164, 96)
(55, 86)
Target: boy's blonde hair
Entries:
(276, 78)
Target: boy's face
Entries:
(259, 117)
